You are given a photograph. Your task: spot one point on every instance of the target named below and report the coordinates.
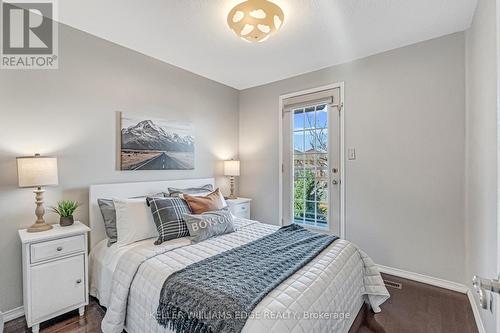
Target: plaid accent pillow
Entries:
(167, 214)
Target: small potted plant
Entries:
(65, 210)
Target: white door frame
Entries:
(498, 159)
(342, 149)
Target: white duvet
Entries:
(323, 296)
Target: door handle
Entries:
(486, 284)
(482, 285)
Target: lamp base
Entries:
(232, 195)
(39, 226)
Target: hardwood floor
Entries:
(70, 322)
(420, 308)
(416, 308)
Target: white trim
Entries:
(433, 281)
(441, 283)
(280, 160)
(497, 21)
(476, 312)
(343, 170)
(13, 314)
(342, 150)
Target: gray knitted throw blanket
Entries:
(218, 294)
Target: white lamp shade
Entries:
(231, 168)
(37, 171)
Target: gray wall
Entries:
(71, 113)
(405, 114)
(481, 148)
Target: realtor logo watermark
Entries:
(29, 38)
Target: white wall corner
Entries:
(13, 314)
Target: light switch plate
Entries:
(351, 154)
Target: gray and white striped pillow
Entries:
(167, 214)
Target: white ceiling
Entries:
(193, 34)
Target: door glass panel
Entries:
(321, 117)
(298, 142)
(310, 118)
(311, 165)
(298, 119)
(309, 141)
(321, 140)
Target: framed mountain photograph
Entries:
(154, 144)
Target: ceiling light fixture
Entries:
(255, 20)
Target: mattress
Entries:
(323, 296)
(103, 261)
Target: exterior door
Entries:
(311, 163)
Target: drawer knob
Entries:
(78, 281)
(59, 249)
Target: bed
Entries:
(323, 296)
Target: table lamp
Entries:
(232, 169)
(37, 171)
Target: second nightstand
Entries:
(240, 207)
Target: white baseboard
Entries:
(13, 314)
(475, 311)
(433, 281)
(441, 283)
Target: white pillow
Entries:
(134, 221)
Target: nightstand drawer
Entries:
(56, 286)
(56, 248)
(241, 210)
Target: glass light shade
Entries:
(37, 171)
(255, 20)
(231, 168)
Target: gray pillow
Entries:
(167, 214)
(108, 212)
(209, 224)
(175, 192)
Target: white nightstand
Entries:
(55, 267)
(240, 207)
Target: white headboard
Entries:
(128, 190)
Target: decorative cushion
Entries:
(175, 192)
(209, 224)
(167, 215)
(108, 212)
(202, 204)
(133, 221)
